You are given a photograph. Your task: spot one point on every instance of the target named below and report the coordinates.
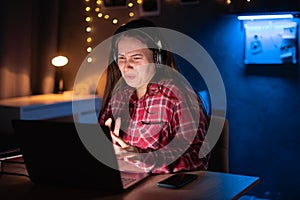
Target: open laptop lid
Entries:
(54, 154)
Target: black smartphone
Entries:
(177, 180)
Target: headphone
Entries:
(157, 53)
(134, 27)
(157, 50)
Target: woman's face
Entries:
(135, 62)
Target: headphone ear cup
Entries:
(157, 56)
(115, 56)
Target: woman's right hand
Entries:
(115, 135)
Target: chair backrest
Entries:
(219, 158)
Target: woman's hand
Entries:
(115, 135)
(125, 151)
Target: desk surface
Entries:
(44, 99)
(85, 108)
(208, 185)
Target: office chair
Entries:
(219, 159)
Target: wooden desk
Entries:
(46, 106)
(208, 186)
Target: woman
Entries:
(149, 106)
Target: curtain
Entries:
(28, 41)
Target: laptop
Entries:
(54, 154)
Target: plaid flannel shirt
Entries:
(161, 125)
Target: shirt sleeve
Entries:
(107, 113)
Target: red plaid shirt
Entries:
(152, 122)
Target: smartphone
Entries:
(177, 180)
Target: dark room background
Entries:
(262, 100)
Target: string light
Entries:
(130, 4)
(88, 29)
(131, 14)
(100, 15)
(98, 2)
(101, 12)
(88, 19)
(89, 59)
(89, 39)
(114, 21)
(89, 49)
(97, 9)
(87, 9)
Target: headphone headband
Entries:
(156, 47)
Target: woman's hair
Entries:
(160, 56)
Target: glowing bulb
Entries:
(89, 59)
(87, 9)
(106, 16)
(139, 1)
(114, 21)
(89, 39)
(59, 61)
(88, 19)
(88, 29)
(89, 49)
(130, 4)
(99, 2)
(100, 15)
(131, 14)
(97, 9)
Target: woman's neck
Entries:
(141, 91)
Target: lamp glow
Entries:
(257, 17)
(59, 61)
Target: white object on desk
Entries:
(48, 106)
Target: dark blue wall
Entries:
(262, 109)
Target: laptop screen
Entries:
(55, 154)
